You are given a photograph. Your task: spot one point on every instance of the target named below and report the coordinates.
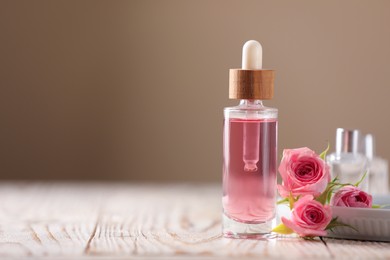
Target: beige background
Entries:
(135, 89)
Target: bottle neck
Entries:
(251, 102)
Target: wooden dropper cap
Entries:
(251, 82)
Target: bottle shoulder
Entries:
(250, 108)
(346, 158)
(250, 112)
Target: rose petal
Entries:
(302, 231)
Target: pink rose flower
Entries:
(351, 196)
(309, 217)
(303, 173)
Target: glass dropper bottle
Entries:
(249, 149)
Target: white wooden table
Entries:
(122, 220)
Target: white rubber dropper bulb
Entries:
(252, 56)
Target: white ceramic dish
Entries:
(372, 224)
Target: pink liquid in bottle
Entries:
(249, 170)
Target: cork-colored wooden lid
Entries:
(251, 84)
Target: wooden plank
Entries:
(118, 220)
(46, 219)
(178, 221)
(358, 249)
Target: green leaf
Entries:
(285, 200)
(282, 229)
(323, 154)
(376, 206)
(335, 223)
(335, 180)
(322, 198)
(361, 179)
(327, 194)
(291, 201)
(329, 197)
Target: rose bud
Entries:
(351, 196)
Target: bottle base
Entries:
(236, 229)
